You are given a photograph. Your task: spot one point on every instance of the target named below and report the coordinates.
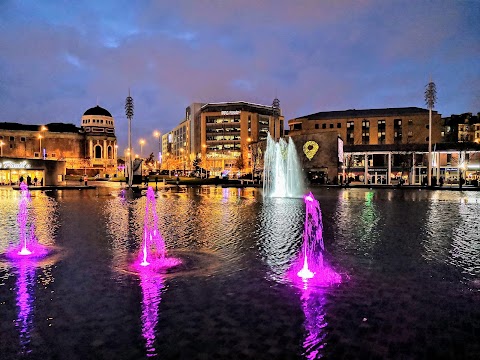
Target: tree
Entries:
(150, 159)
(240, 163)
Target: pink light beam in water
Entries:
(28, 242)
(153, 252)
(310, 267)
(313, 246)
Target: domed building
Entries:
(98, 127)
(53, 150)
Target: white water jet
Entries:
(282, 173)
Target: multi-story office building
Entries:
(90, 148)
(380, 145)
(229, 129)
(374, 126)
(220, 136)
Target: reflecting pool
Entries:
(409, 262)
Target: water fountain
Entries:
(310, 266)
(28, 246)
(152, 254)
(282, 173)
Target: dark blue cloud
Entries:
(58, 57)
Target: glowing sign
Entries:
(310, 148)
(12, 165)
(230, 112)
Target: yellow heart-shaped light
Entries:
(310, 148)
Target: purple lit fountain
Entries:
(152, 255)
(310, 267)
(28, 246)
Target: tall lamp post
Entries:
(183, 160)
(129, 113)
(42, 135)
(141, 142)
(430, 99)
(40, 144)
(157, 134)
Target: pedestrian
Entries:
(29, 180)
(441, 181)
(85, 179)
(20, 180)
(35, 181)
(41, 182)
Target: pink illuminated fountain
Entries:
(28, 246)
(152, 253)
(310, 267)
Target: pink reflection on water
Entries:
(25, 299)
(313, 305)
(28, 246)
(152, 285)
(152, 253)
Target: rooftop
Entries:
(354, 113)
(52, 127)
(237, 106)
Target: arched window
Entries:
(109, 152)
(98, 152)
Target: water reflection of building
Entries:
(90, 148)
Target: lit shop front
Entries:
(46, 172)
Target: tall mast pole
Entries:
(129, 113)
(430, 99)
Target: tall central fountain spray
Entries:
(282, 173)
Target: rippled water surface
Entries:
(409, 260)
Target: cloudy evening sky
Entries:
(58, 57)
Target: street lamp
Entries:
(40, 144)
(142, 142)
(157, 134)
(42, 130)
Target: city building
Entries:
(229, 129)
(219, 136)
(462, 128)
(384, 146)
(89, 149)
